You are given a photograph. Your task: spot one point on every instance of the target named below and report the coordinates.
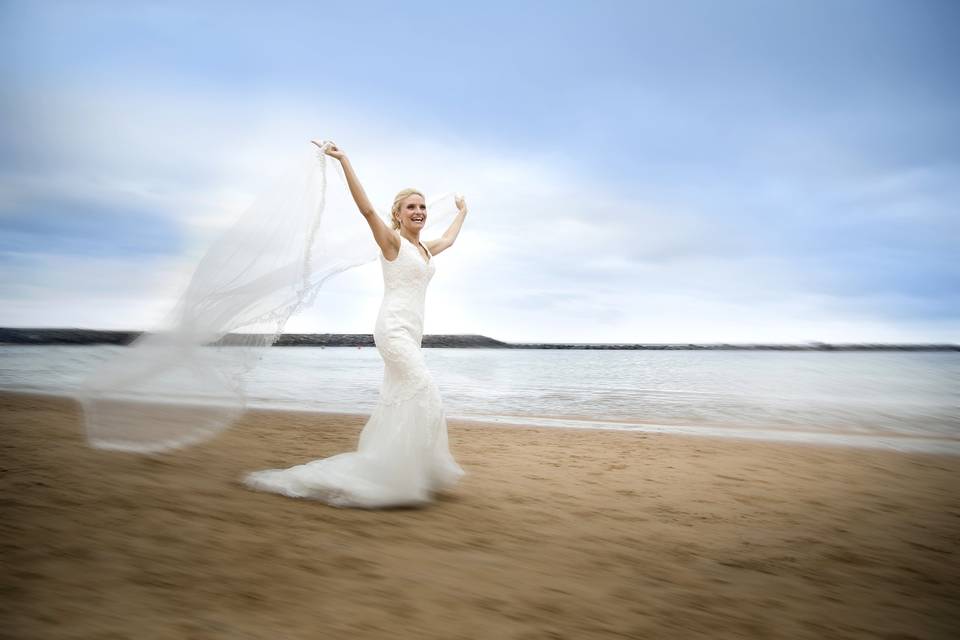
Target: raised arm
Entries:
(385, 237)
(450, 235)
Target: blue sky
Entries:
(648, 172)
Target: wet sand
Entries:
(553, 533)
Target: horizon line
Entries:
(806, 343)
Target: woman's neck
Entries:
(416, 236)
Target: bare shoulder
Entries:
(437, 246)
(390, 247)
(386, 237)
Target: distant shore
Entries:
(70, 336)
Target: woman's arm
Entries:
(450, 235)
(356, 189)
(385, 237)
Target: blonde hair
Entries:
(395, 210)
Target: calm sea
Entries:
(899, 400)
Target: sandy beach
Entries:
(553, 533)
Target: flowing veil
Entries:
(185, 382)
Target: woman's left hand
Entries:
(461, 204)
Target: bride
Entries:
(403, 453)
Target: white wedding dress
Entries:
(403, 453)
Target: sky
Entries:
(653, 172)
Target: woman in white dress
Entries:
(403, 454)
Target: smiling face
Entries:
(413, 212)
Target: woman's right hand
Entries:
(332, 150)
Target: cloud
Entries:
(675, 223)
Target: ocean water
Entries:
(898, 400)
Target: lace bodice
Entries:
(399, 329)
(407, 275)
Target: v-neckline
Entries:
(430, 257)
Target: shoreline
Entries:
(880, 441)
(76, 336)
(553, 533)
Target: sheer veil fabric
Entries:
(186, 381)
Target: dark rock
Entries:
(28, 336)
